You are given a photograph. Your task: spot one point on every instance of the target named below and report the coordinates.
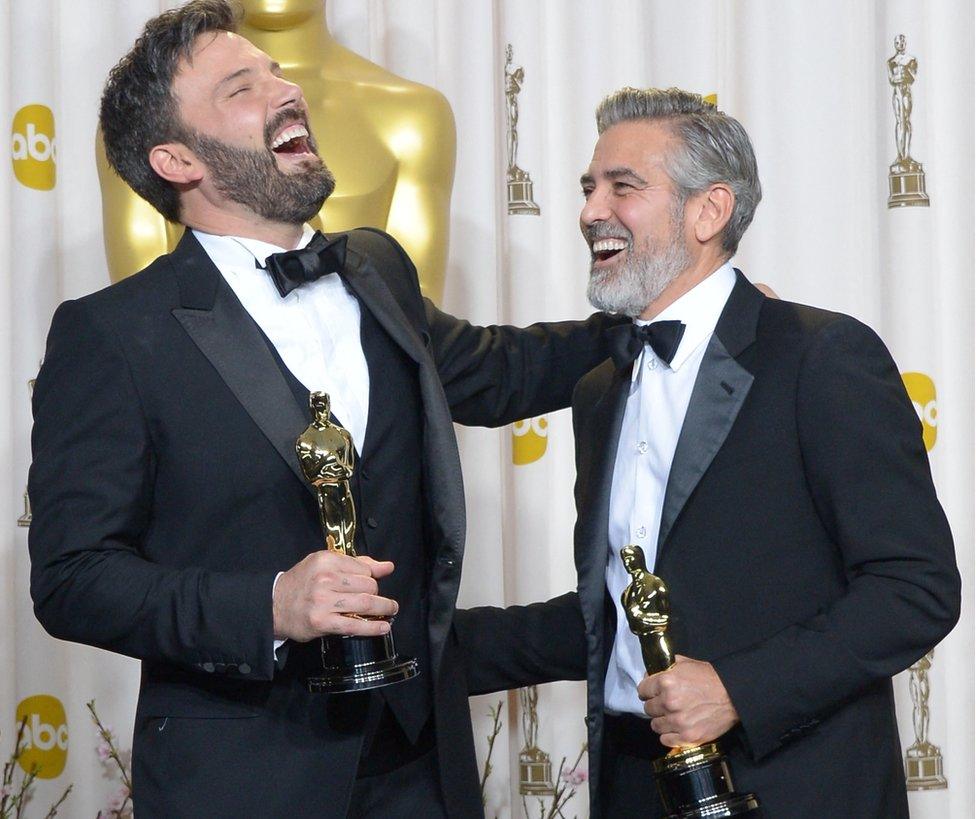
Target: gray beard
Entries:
(631, 286)
(253, 179)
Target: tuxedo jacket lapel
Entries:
(230, 339)
(598, 430)
(719, 392)
(364, 280)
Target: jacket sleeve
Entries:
(91, 490)
(492, 375)
(869, 477)
(513, 647)
(499, 374)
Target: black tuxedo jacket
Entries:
(167, 495)
(807, 556)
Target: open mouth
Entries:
(292, 140)
(605, 249)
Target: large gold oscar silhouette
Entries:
(391, 144)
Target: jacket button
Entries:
(244, 668)
(208, 667)
(371, 523)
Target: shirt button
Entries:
(642, 532)
(642, 447)
(651, 362)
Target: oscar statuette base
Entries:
(359, 664)
(520, 193)
(695, 783)
(923, 768)
(906, 183)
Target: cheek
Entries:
(243, 126)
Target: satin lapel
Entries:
(599, 432)
(227, 335)
(719, 392)
(442, 469)
(363, 278)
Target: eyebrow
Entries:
(275, 67)
(619, 173)
(613, 174)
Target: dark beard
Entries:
(253, 178)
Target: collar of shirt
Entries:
(699, 309)
(315, 329)
(239, 253)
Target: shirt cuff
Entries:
(280, 653)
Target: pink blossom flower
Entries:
(574, 777)
(118, 799)
(104, 751)
(5, 792)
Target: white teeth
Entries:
(291, 132)
(602, 245)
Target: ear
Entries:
(175, 163)
(714, 211)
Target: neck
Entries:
(687, 280)
(245, 225)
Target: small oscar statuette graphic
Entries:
(327, 456)
(25, 519)
(694, 781)
(519, 182)
(906, 177)
(923, 760)
(535, 766)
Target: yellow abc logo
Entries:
(921, 389)
(711, 99)
(529, 438)
(45, 739)
(32, 147)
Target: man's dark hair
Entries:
(138, 110)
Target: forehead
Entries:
(640, 145)
(214, 56)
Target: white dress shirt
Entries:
(656, 406)
(315, 328)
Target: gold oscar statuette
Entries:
(328, 459)
(923, 760)
(535, 765)
(519, 182)
(25, 519)
(906, 177)
(694, 781)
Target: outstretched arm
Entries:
(513, 647)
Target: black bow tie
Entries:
(294, 267)
(627, 340)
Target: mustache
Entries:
(606, 230)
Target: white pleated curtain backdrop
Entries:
(808, 81)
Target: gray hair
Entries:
(715, 147)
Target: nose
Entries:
(596, 208)
(287, 93)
